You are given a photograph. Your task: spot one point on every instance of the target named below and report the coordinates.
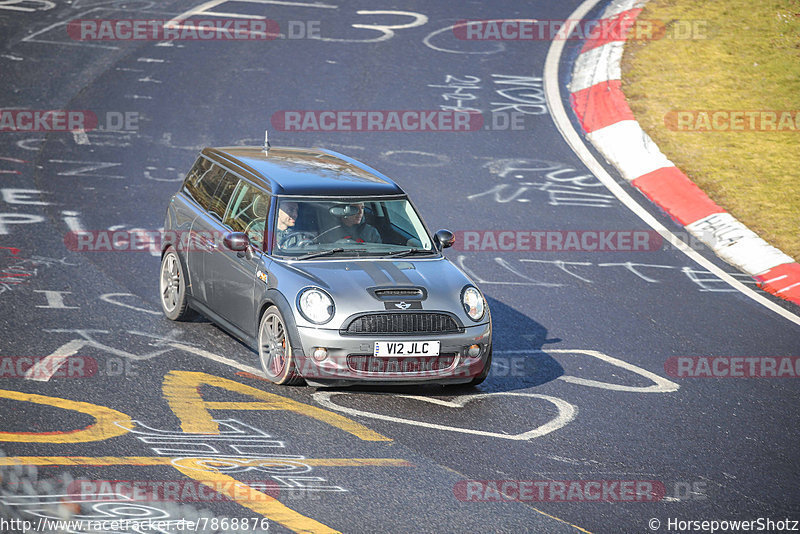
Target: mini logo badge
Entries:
(261, 275)
(403, 305)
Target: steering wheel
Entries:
(255, 226)
(316, 239)
(301, 238)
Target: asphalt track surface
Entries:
(578, 392)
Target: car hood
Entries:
(349, 281)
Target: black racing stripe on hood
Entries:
(398, 275)
(374, 272)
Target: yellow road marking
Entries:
(265, 505)
(182, 391)
(154, 460)
(576, 527)
(104, 427)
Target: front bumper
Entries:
(350, 359)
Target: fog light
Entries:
(320, 353)
(474, 351)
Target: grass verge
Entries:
(742, 56)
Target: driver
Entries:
(287, 216)
(354, 227)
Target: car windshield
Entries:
(349, 227)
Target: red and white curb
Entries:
(603, 112)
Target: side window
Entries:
(248, 213)
(192, 183)
(202, 183)
(223, 193)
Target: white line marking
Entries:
(566, 413)
(234, 15)
(109, 297)
(194, 11)
(574, 140)
(73, 221)
(86, 14)
(80, 137)
(219, 359)
(787, 288)
(45, 5)
(496, 46)
(203, 8)
(27, 500)
(45, 368)
(55, 300)
(776, 278)
(289, 3)
(150, 60)
(662, 385)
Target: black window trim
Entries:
(230, 200)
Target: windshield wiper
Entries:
(408, 251)
(320, 253)
(329, 252)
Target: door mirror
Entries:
(236, 241)
(444, 239)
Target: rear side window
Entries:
(219, 202)
(202, 181)
(210, 186)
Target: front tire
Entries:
(172, 286)
(478, 379)
(275, 349)
(484, 373)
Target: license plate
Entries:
(406, 348)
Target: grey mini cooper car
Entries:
(323, 265)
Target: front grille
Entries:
(403, 323)
(367, 363)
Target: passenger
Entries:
(353, 227)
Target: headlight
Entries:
(472, 300)
(315, 305)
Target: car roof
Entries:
(304, 171)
